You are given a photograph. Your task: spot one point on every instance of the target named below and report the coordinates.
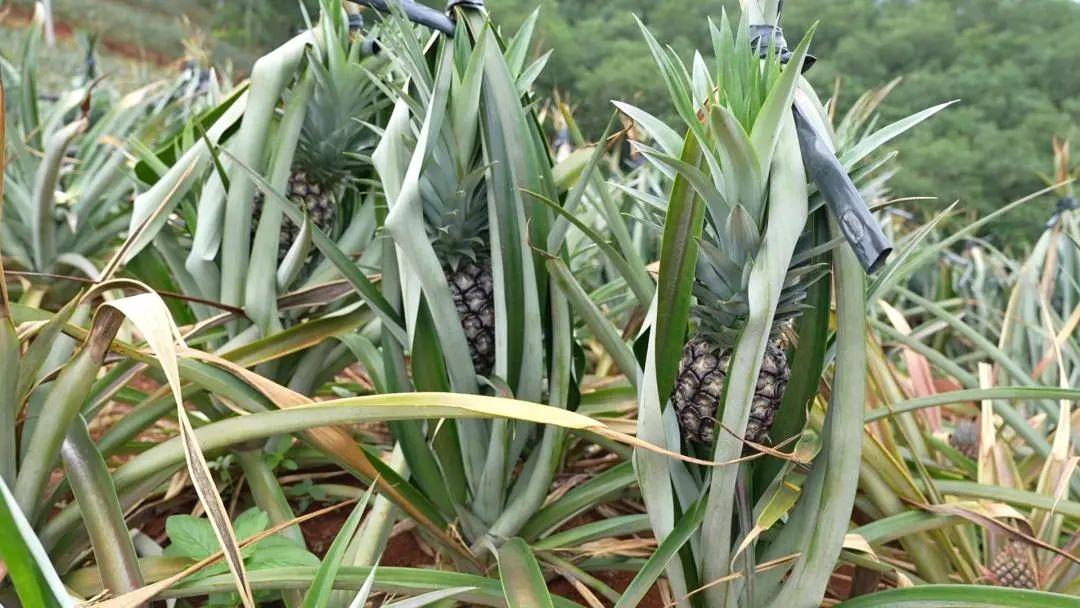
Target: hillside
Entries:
(137, 39)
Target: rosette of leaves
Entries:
(745, 241)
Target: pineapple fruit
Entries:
(965, 438)
(1014, 566)
(334, 135)
(473, 289)
(319, 202)
(456, 216)
(699, 388)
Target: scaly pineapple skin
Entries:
(306, 194)
(699, 387)
(1013, 566)
(473, 288)
(965, 438)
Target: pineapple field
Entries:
(382, 318)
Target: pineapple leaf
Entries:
(465, 103)
(702, 81)
(741, 235)
(670, 141)
(518, 49)
(678, 260)
(528, 77)
(737, 156)
(861, 150)
(718, 205)
(766, 130)
(678, 87)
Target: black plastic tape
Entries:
(1064, 204)
(417, 13)
(764, 37)
(860, 228)
(473, 4)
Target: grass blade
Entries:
(323, 584)
(968, 596)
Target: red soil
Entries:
(20, 17)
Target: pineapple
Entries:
(317, 198)
(334, 135)
(965, 438)
(699, 388)
(474, 297)
(1014, 566)
(735, 222)
(456, 215)
(720, 310)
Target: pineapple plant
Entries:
(745, 241)
(334, 137)
(719, 112)
(461, 152)
(455, 197)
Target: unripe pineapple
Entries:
(965, 438)
(333, 139)
(457, 221)
(317, 201)
(1014, 566)
(700, 386)
(474, 296)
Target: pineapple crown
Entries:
(453, 182)
(734, 109)
(455, 212)
(336, 134)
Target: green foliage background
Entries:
(1012, 63)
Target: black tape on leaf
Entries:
(860, 228)
(1064, 204)
(473, 4)
(417, 13)
(764, 37)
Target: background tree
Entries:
(1010, 62)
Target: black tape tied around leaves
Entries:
(1064, 204)
(473, 4)
(417, 13)
(764, 37)
(861, 230)
(356, 22)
